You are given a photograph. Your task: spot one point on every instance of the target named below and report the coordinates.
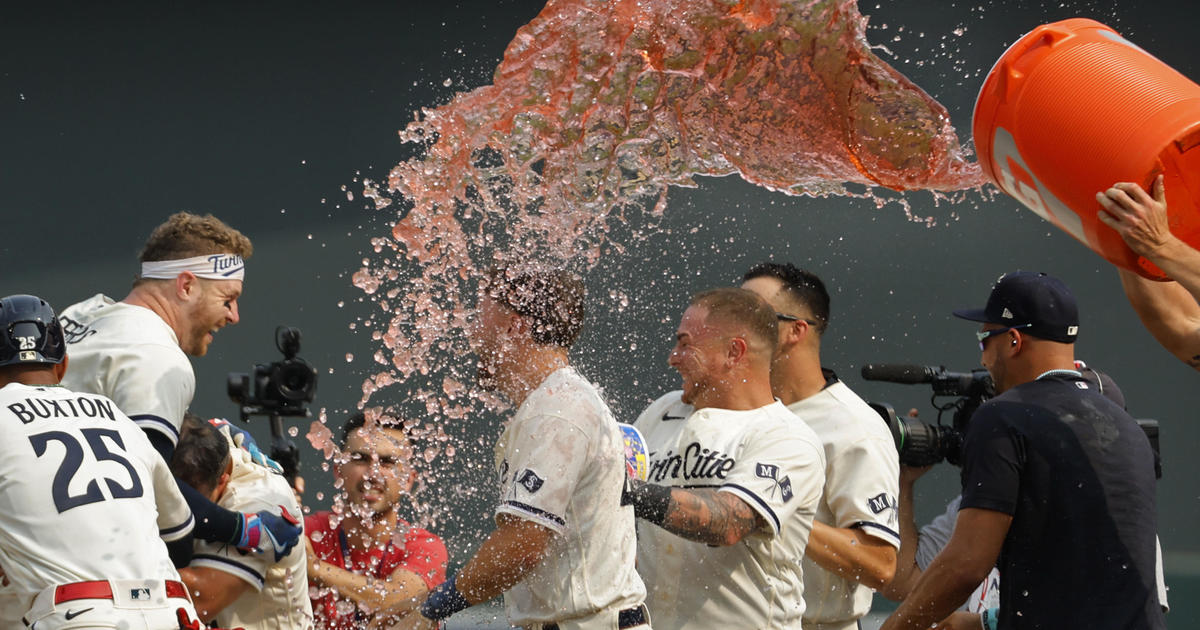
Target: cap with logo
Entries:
(1040, 303)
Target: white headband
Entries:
(212, 267)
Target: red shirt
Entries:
(421, 552)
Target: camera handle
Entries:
(283, 449)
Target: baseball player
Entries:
(855, 536)
(135, 352)
(734, 478)
(249, 591)
(563, 549)
(90, 517)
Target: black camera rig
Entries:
(922, 443)
(277, 390)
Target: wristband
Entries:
(444, 600)
(988, 618)
(650, 501)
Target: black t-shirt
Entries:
(1077, 475)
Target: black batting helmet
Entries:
(29, 332)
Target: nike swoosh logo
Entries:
(667, 417)
(71, 614)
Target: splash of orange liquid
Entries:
(598, 107)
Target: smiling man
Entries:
(135, 352)
(735, 478)
(367, 564)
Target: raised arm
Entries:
(1169, 312)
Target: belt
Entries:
(101, 589)
(628, 618)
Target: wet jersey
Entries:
(129, 354)
(768, 458)
(83, 494)
(1076, 474)
(411, 548)
(561, 464)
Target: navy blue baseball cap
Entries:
(1041, 304)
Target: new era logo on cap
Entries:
(1041, 304)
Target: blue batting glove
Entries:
(265, 531)
(444, 600)
(242, 438)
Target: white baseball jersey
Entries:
(129, 354)
(768, 458)
(862, 471)
(279, 598)
(561, 464)
(83, 494)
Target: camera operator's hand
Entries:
(265, 531)
(245, 441)
(910, 474)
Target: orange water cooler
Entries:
(1071, 108)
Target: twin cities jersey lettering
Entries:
(83, 494)
(768, 458)
(129, 354)
(561, 464)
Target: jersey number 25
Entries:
(73, 459)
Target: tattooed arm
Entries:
(702, 515)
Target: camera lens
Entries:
(295, 381)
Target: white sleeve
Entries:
(542, 474)
(154, 386)
(775, 473)
(934, 536)
(861, 488)
(175, 519)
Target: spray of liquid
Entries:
(598, 107)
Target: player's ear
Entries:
(186, 285)
(736, 350)
(60, 370)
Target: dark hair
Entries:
(201, 455)
(387, 421)
(744, 307)
(804, 286)
(552, 298)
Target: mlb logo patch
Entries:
(139, 594)
(530, 481)
(766, 471)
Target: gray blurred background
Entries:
(269, 115)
